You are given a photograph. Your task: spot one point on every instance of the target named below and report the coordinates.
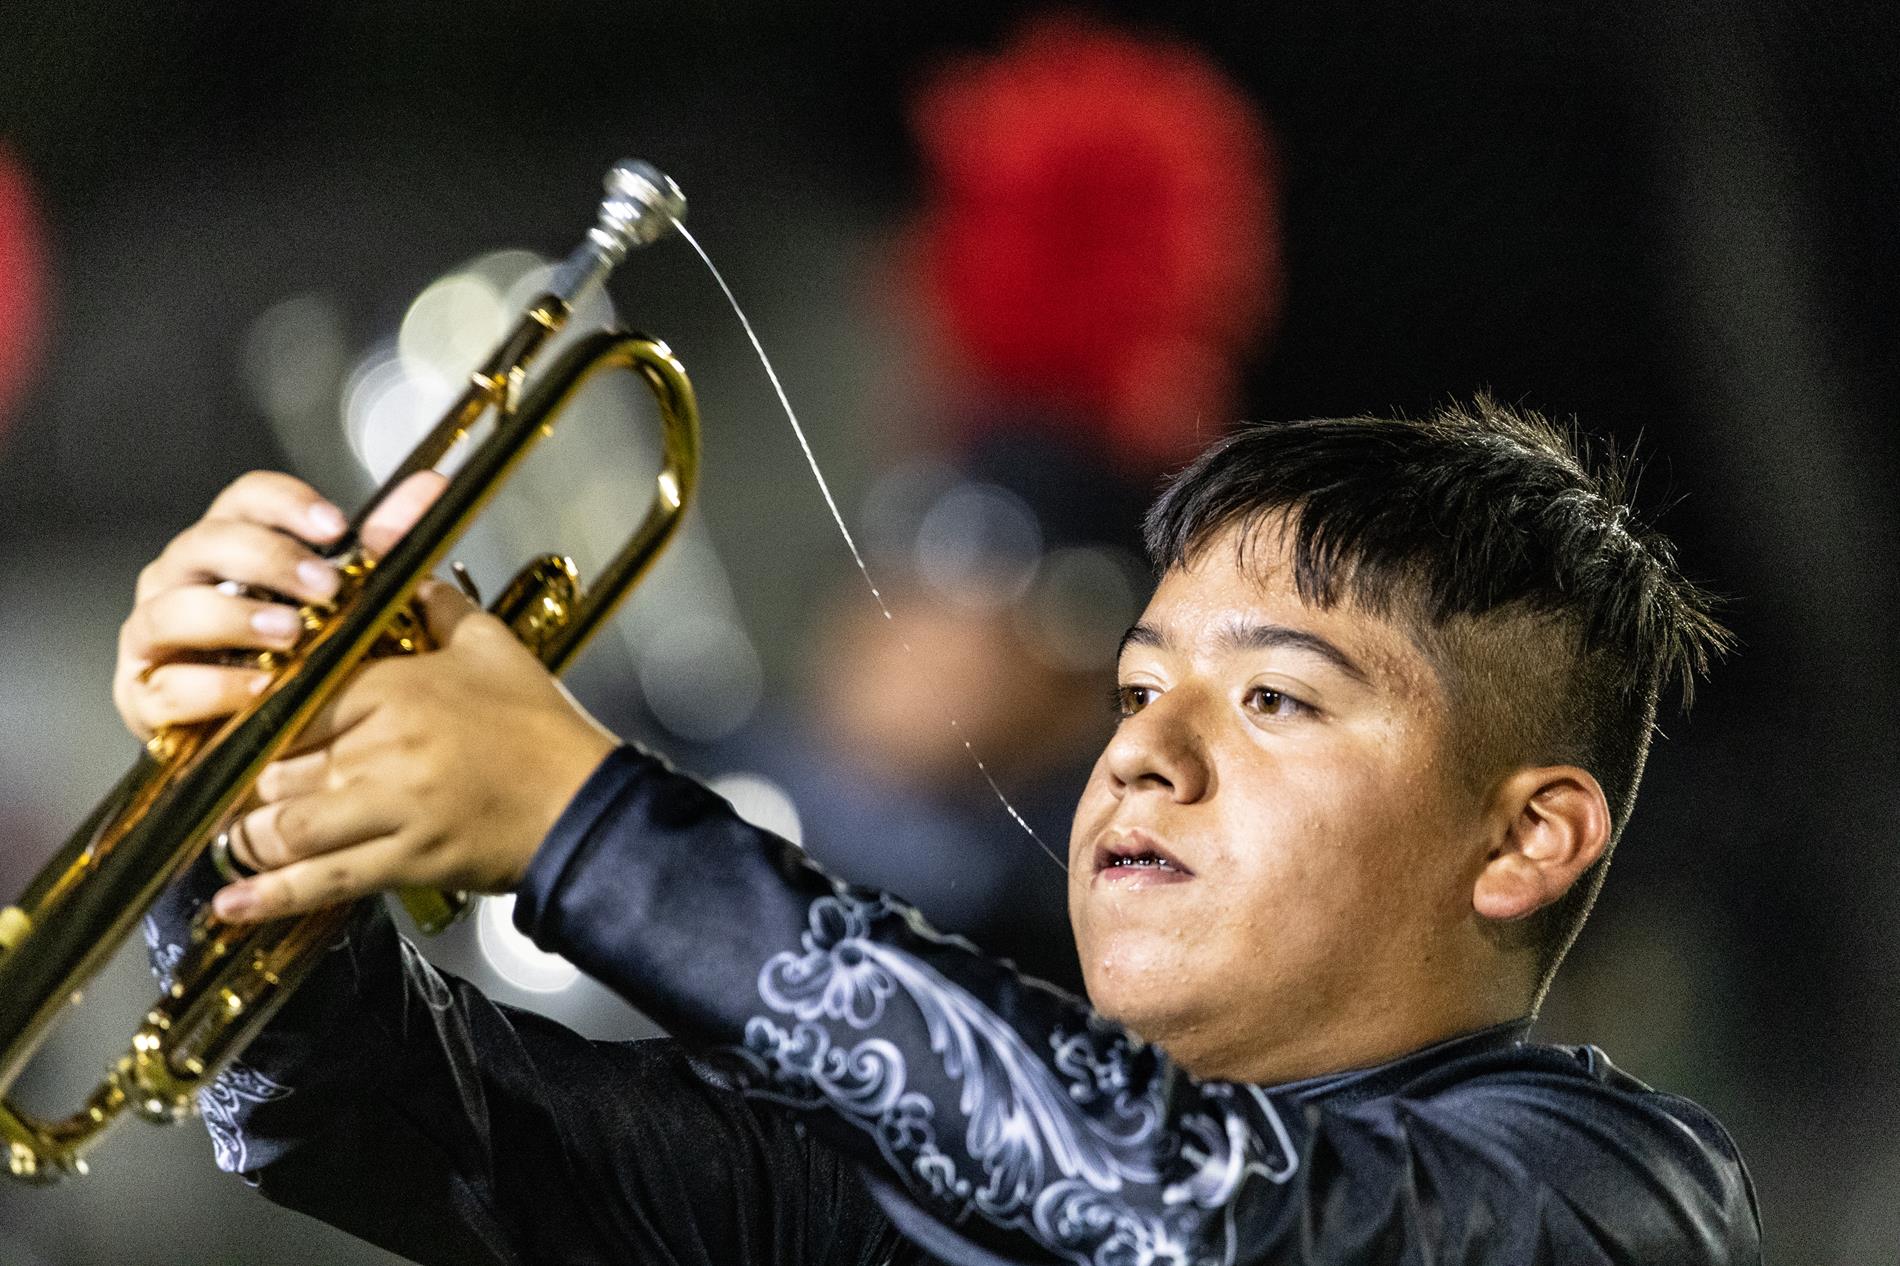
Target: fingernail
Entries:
(326, 519)
(234, 903)
(319, 579)
(276, 622)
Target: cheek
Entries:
(1329, 833)
(1093, 808)
(1092, 811)
(1393, 834)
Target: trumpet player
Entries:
(1379, 728)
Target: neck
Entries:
(1361, 1035)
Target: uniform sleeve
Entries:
(1002, 1119)
(401, 1105)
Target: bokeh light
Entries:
(979, 545)
(763, 803)
(701, 676)
(1083, 600)
(514, 957)
(386, 410)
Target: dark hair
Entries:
(1510, 553)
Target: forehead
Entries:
(1235, 580)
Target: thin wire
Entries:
(851, 543)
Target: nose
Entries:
(1161, 749)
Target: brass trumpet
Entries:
(191, 781)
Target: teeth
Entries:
(1146, 859)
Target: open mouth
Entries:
(1135, 855)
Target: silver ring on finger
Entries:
(224, 860)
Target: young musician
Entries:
(1381, 725)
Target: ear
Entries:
(1550, 824)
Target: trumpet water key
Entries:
(160, 818)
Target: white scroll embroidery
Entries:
(230, 1092)
(1058, 1143)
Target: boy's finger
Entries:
(279, 501)
(399, 511)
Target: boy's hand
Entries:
(259, 532)
(440, 770)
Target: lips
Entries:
(1132, 856)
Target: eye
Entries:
(1275, 704)
(1125, 701)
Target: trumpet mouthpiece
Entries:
(642, 204)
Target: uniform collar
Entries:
(1354, 1084)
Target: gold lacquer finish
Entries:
(190, 782)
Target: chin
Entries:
(1144, 984)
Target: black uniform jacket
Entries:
(846, 1085)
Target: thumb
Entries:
(391, 520)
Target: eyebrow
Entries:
(1249, 635)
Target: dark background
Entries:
(1676, 222)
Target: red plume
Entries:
(1100, 231)
(22, 281)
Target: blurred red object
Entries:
(1100, 232)
(22, 282)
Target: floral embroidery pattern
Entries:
(239, 1086)
(1062, 1149)
(165, 956)
(236, 1088)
